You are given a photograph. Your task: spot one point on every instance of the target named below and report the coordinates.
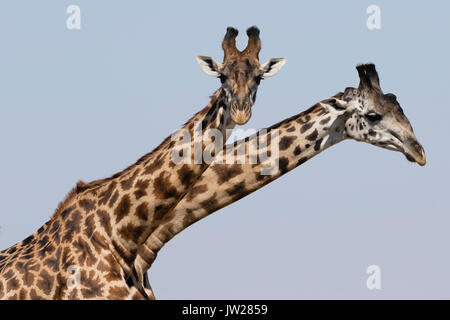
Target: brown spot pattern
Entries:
(283, 163)
(105, 221)
(127, 184)
(132, 232)
(113, 199)
(306, 127)
(155, 165)
(87, 205)
(163, 188)
(286, 142)
(226, 172)
(312, 136)
(186, 175)
(141, 188)
(45, 281)
(142, 211)
(117, 293)
(91, 285)
(72, 226)
(107, 194)
(123, 208)
(325, 121)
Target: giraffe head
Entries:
(240, 73)
(377, 118)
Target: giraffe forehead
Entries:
(241, 76)
(240, 66)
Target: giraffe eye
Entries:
(222, 78)
(373, 116)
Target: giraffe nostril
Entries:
(234, 108)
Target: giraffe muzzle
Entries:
(241, 113)
(414, 152)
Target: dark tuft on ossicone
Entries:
(253, 32)
(231, 33)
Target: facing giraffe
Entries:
(94, 234)
(363, 114)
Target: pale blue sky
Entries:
(85, 104)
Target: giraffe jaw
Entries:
(411, 149)
(413, 154)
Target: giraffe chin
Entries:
(414, 152)
(420, 160)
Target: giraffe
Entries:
(87, 248)
(363, 114)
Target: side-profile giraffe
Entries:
(87, 249)
(362, 114)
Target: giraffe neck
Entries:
(124, 209)
(301, 137)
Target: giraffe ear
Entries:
(337, 104)
(272, 67)
(208, 65)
